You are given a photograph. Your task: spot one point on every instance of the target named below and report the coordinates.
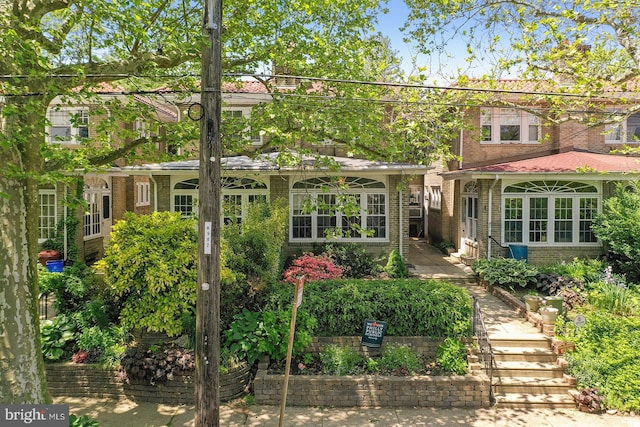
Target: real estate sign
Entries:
(373, 333)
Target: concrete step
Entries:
(531, 385)
(520, 341)
(527, 369)
(540, 401)
(523, 354)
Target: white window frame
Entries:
(435, 197)
(63, 118)
(48, 220)
(311, 190)
(256, 137)
(228, 189)
(619, 132)
(493, 118)
(555, 191)
(143, 194)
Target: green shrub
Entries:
(618, 228)
(150, 265)
(409, 306)
(353, 258)
(106, 344)
(452, 356)
(253, 335)
(82, 421)
(57, 337)
(396, 268)
(606, 358)
(338, 360)
(398, 356)
(507, 272)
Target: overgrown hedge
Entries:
(412, 307)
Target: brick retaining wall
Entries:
(468, 391)
(79, 380)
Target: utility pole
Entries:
(207, 381)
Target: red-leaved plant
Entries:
(313, 268)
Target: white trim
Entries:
(496, 117)
(60, 126)
(50, 227)
(143, 194)
(550, 220)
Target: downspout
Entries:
(65, 234)
(155, 193)
(460, 144)
(401, 227)
(490, 216)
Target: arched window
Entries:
(351, 208)
(237, 194)
(550, 212)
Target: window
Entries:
(48, 215)
(143, 194)
(350, 208)
(549, 212)
(435, 197)
(234, 122)
(509, 125)
(145, 129)
(68, 125)
(625, 131)
(237, 195)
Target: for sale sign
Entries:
(373, 333)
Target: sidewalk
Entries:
(427, 263)
(129, 414)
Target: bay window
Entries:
(549, 212)
(351, 208)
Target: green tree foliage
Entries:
(618, 228)
(151, 266)
(539, 37)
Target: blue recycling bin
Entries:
(55, 266)
(519, 252)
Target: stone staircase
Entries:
(527, 373)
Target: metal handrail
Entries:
(484, 345)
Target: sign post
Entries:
(297, 300)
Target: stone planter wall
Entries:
(79, 380)
(469, 391)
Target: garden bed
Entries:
(467, 391)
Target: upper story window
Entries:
(236, 119)
(68, 125)
(351, 208)
(626, 131)
(509, 126)
(145, 129)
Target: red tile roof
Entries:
(569, 162)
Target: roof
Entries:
(563, 163)
(269, 163)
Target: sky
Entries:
(390, 24)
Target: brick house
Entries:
(388, 208)
(530, 188)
